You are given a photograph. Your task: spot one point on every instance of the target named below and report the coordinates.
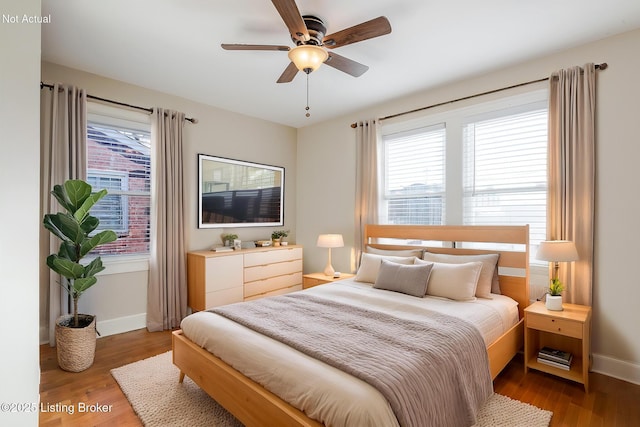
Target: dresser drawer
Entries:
(260, 272)
(223, 273)
(271, 256)
(272, 284)
(276, 292)
(555, 325)
(223, 297)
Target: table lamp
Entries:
(330, 241)
(556, 251)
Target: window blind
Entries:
(505, 171)
(414, 176)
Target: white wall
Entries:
(19, 216)
(326, 184)
(119, 300)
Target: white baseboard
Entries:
(44, 335)
(109, 327)
(616, 368)
(121, 324)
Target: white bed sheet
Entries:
(325, 393)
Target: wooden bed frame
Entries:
(255, 406)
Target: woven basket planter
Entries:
(76, 347)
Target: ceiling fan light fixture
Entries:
(308, 58)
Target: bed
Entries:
(255, 405)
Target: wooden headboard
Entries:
(511, 242)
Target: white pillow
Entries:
(393, 252)
(454, 281)
(488, 280)
(408, 279)
(370, 265)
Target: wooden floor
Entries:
(610, 402)
(96, 386)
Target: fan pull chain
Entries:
(307, 107)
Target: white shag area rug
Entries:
(159, 400)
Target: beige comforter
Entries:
(323, 392)
(433, 371)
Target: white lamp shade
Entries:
(557, 251)
(308, 57)
(330, 241)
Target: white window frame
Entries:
(454, 119)
(124, 185)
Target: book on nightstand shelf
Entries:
(554, 364)
(557, 358)
(555, 355)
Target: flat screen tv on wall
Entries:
(235, 193)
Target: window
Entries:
(505, 171)
(112, 210)
(413, 182)
(119, 160)
(487, 164)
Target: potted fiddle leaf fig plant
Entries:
(76, 229)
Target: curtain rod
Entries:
(602, 66)
(122, 104)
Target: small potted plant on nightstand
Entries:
(554, 296)
(277, 236)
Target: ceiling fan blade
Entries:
(290, 14)
(346, 65)
(367, 30)
(289, 73)
(254, 47)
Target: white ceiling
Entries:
(174, 46)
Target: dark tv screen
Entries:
(236, 193)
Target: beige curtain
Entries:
(167, 289)
(366, 211)
(63, 147)
(570, 211)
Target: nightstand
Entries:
(315, 279)
(567, 330)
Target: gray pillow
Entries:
(370, 264)
(407, 279)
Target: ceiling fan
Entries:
(308, 33)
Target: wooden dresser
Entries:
(219, 278)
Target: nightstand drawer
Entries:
(555, 325)
(308, 282)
